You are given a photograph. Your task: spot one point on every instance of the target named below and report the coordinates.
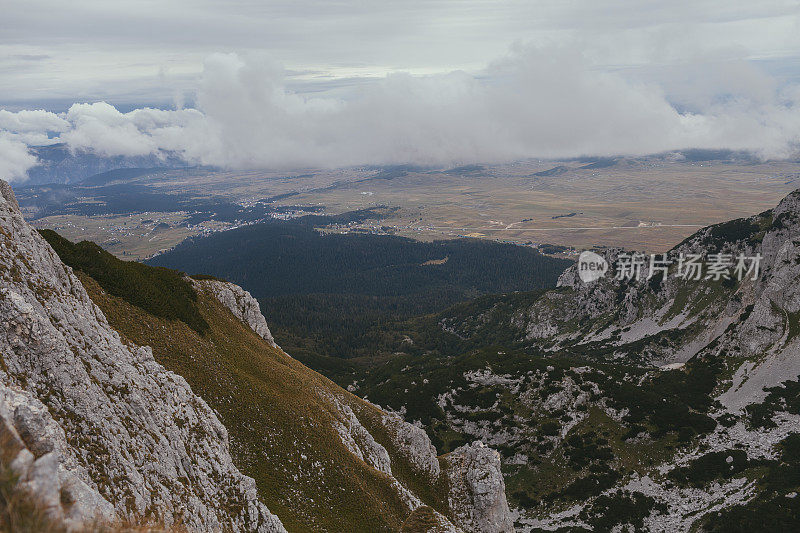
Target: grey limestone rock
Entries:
(129, 431)
(241, 304)
(477, 495)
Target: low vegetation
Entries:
(159, 291)
(776, 507)
(21, 511)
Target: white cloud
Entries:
(15, 160)
(143, 51)
(531, 103)
(32, 127)
(102, 129)
(32, 121)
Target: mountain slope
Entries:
(660, 404)
(58, 164)
(323, 459)
(345, 456)
(91, 409)
(283, 419)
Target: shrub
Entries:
(723, 464)
(159, 291)
(621, 508)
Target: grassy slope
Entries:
(275, 415)
(279, 414)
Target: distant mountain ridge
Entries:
(59, 164)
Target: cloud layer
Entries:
(531, 103)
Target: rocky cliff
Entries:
(477, 489)
(88, 407)
(241, 304)
(753, 321)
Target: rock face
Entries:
(752, 319)
(32, 443)
(736, 340)
(476, 490)
(8, 195)
(360, 442)
(242, 305)
(414, 444)
(110, 418)
(477, 495)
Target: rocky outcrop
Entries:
(31, 443)
(669, 319)
(134, 434)
(360, 442)
(414, 444)
(241, 304)
(477, 495)
(8, 195)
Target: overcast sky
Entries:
(697, 69)
(141, 52)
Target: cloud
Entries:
(534, 102)
(15, 160)
(115, 50)
(29, 121)
(102, 129)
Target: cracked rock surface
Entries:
(241, 304)
(101, 415)
(477, 490)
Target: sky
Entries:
(274, 83)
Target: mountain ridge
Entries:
(365, 446)
(654, 404)
(59, 347)
(647, 404)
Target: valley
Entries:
(400, 267)
(609, 403)
(647, 203)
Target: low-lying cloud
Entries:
(532, 103)
(15, 160)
